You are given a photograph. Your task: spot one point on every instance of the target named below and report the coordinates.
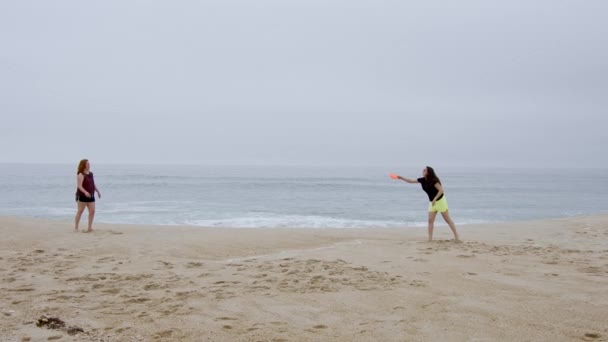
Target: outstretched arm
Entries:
(409, 180)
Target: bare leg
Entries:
(79, 210)
(432, 215)
(448, 220)
(91, 207)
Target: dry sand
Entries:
(527, 281)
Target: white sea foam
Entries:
(299, 221)
(291, 221)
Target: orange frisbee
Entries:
(393, 176)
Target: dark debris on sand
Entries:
(57, 324)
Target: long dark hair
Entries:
(431, 176)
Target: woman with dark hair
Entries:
(438, 203)
(85, 197)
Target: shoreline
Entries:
(438, 222)
(534, 280)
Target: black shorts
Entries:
(85, 199)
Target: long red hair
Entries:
(82, 166)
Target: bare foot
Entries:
(76, 230)
(89, 230)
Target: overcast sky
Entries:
(466, 83)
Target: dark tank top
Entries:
(88, 184)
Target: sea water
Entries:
(299, 196)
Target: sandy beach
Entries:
(527, 281)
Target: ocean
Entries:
(296, 196)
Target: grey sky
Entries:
(499, 83)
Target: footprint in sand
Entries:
(163, 334)
(317, 328)
(111, 291)
(105, 259)
(137, 300)
(226, 319)
(277, 323)
(152, 286)
(418, 283)
(592, 270)
(167, 265)
(591, 336)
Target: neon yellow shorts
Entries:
(440, 206)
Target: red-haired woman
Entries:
(85, 197)
(438, 203)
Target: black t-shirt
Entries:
(429, 188)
